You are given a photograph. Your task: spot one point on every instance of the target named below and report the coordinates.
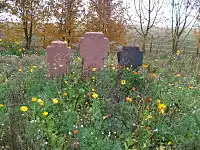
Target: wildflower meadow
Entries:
(153, 107)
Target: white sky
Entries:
(165, 22)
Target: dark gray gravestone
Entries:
(130, 56)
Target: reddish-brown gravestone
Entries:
(93, 49)
(58, 57)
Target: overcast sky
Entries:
(164, 22)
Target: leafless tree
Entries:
(148, 14)
(183, 16)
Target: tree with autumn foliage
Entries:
(107, 17)
(28, 11)
(66, 13)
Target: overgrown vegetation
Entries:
(156, 107)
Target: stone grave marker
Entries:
(93, 48)
(130, 56)
(58, 57)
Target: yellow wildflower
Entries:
(20, 50)
(34, 99)
(158, 102)
(31, 70)
(153, 75)
(94, 69)
(113, 68)
(162, 111)
(150, 99)
(41, 102)
(24, 108)
(145, 66)
(64, 94)
(149, 117)
(34, 67)
(1, 40)
(93, 90)
(178, 52)
(169, 143)
(93, 77)
(162, 108)
(45, 113)
(95, 95)
(1, 105)
(129, 99)
(123, 82)
(55, 101)
(19, 70)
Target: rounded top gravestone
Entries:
(58, 57)
(93, 49)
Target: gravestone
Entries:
(93, 48)
(130, 56)
(58, 57)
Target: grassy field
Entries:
(156, 107)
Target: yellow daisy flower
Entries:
(24, 108)
(1, 105)
(41, 102)
(149, 117)
(94, 69)
(55, 101)
(45, 113)
(123, 82)
(64, 94)
(113, 68)
(129, 99)
(178, 52)
(34, 99)
(145, 66)
(95, 95)
(153, 75)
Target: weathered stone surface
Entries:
(93, 48)
(130, 56)
(58, 57)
